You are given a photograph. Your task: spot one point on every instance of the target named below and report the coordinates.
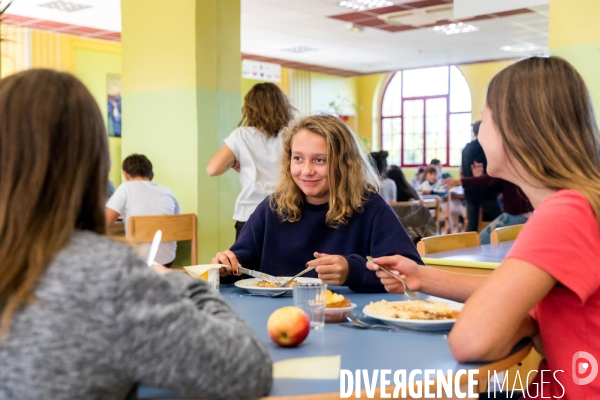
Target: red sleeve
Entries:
(562, 237)
(479, 181)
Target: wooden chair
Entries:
(482, 224)
(436, 244)
(505, 233)
(141, 229)
(434, 203)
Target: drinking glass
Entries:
(312, 298)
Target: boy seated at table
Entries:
(325, 212)
(430, 183)
(138, 195)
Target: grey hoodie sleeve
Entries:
(176, 333)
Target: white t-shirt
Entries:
(146, 198)
(259, 156)
(387, 190)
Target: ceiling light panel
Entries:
(453, 29)
(65, 6)
(360, 5)
(299, 49)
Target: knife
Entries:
(260, 275)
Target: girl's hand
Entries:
(161, 269)
(227, 258)
(404, 267)
(332, 269)
(477, 169)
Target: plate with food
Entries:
(338, 307)
(260, 286)
(432, 315)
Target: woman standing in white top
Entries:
(254, 148)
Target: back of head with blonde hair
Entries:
(54, 168)
(267, 109)
(544, 114)
(350, 174)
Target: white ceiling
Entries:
(270, 26)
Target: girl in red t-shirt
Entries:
(538, 132)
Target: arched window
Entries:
(426, 114)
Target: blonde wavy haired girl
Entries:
(538, 132)
(325, 212)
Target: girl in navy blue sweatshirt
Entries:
(325, 212)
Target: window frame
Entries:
(401, 117)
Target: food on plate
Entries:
(288, 326)
(335, 300)
(267, 284)
(421, 310)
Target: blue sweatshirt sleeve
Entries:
(248, 246)
(388, 237)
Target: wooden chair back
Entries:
(505, 233)
(434, 203)
(141, 229)
(436, 244)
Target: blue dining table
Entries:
(359, 349)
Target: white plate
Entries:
(417, 324)
(246, 284)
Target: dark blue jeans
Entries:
(491, 210)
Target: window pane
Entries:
(460, 96)
(460, 135)
(413, 132)
(425, 82)
(390, 140)
(392, 97)
(436, 112)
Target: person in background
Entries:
(254, 148)
(539, 132)
(438, 166)
(138, 195)
(404, 191)
(431, 183)
(483, 197)
(324, 213)
(417, 178)
(516, 206)
(387, 187)
(81, 316)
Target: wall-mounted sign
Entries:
(261, 71)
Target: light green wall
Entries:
(92, 67)
(325, 89)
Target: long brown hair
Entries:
(267, 109)
(544, 114)
(54, 168)
(350, 174)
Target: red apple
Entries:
(288, 326)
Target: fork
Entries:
(358, 323)
(411, 295)
(287, 283)
(364, 325)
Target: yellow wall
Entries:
(91, 60)
(478, 77)
(369, 91)
(574, 34)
